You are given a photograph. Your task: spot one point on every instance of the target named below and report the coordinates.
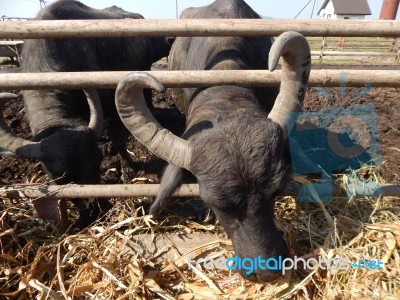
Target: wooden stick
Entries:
(173, 79)
(196, 27)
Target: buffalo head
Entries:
(67, 154)
(236, 156)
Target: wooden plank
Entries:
(195, 27)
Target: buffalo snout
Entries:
(258, 244)
(258, 256)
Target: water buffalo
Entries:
(235, 139)
(61, 136)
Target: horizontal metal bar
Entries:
(87, 191)
(173, 79)
(150, 190)
(196, 27)
(353, 53)
(11, 43)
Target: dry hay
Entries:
(108, 260)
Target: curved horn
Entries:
(136, 116)
(13, 144)
(96, 111)
(296, 66)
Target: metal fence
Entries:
(129, 28)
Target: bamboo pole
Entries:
(174, 79)
(16, 191)
(196, 27)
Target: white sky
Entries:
(166, 9)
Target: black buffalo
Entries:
(235, 139)
(65, 125)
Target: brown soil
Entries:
(385, 100)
